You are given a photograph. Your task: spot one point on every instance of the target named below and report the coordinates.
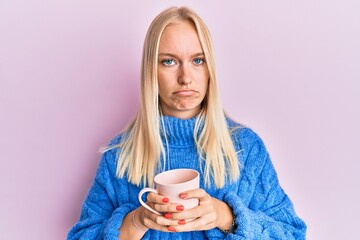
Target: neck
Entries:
(181, 114)
(177, 131)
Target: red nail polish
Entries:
(183, 195)
(167, 215)
(180, 207)
(181, 222)
(165, 200)
(171, 229)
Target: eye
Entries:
(198, 61)
(168, 62)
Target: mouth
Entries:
(185, 92)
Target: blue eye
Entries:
(168, 62)
(198, 61)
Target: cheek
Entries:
(204, 83)
(164, 79)
(205, 88)
(164, 87)
(167, 79)
(161, 80)
(203, 74)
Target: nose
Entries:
(184, 77)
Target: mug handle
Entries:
(144, 204)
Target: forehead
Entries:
(180, 38)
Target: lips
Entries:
(185, 92)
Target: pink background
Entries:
(69, 76)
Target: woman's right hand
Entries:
(159, 222)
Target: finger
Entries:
(193, 213)
(170, 207)
(197, 224)
(157, 222)
(199, 193)
(156, 198)
(188, 228)
(205, 208)
(149, 223)
(160, 219)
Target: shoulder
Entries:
(249, 145)
(243, 135)
(116, 140)
(111, 152)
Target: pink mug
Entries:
(171, 183)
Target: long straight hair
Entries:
(142, 146)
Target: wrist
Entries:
(226, 219)
(129, 230)
(230, 229)
(138, 224)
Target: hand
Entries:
(210, 213)
(160, 203)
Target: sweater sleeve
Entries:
(102, 212)
(268, 213)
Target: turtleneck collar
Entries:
(179, 132)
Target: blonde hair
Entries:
(142, 146)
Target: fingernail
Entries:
(167, 215)
(171, 229)
(180, 207)
(181, 222)
(183, 195)
(165, 200)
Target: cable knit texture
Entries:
(261, 208)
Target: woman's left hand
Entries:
(210, 213)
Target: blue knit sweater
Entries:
(261, 208)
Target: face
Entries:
(182, 72)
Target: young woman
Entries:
(181, 124)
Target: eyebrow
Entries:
(176, 56)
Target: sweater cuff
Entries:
(241, 220)
(241, 217)
(111, 231)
